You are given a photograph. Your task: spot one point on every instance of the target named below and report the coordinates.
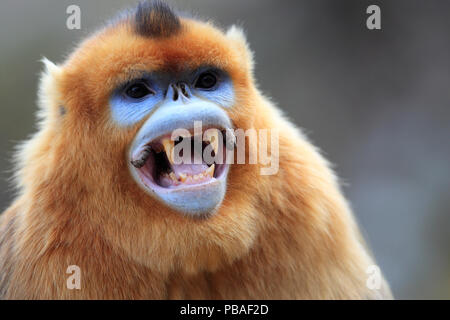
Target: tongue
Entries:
(190, 169)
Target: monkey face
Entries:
(175, 156)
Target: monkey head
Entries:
(111, 110)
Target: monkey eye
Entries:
(206, 80)
(138, 90)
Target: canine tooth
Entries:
(210, 170)
(212, 135)
(173, 176)
(168, 148)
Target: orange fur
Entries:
(288, 236)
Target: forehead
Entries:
(119, 53)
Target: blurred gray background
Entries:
(376, 103)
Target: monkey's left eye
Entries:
(138, 90)
(206, 80)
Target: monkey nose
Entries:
(179, 91)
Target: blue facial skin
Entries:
(167, 111)
(127, 111)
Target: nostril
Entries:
(175, 93)
(183, 90)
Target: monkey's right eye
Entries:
(138, 90)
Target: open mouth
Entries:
(185, 162)
(180, 155)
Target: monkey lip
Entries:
(161, 169)
(195, 188)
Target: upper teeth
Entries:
(168, 148)
(211, 136)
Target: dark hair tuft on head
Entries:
(155, 19)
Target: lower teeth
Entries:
(184, 177)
